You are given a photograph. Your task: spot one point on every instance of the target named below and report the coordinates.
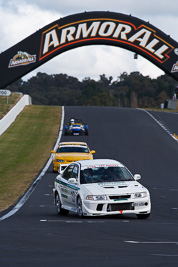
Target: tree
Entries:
(128, 90)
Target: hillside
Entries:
(128, 90)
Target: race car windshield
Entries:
(72, 149)
(105, 174)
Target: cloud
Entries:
(93, 61)
(18, 21)
(136, 7)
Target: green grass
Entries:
(24, 149)
(4, 107)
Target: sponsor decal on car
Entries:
(67, 185)
(21, 59)
(64, 196)
(98, 166)
(112, 184)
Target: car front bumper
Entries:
(99, 208)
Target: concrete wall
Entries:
(10, 117)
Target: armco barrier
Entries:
(10, 117)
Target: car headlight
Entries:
(59, 160)
(97, 198)
(140, 194)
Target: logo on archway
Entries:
(175, 67)
(22, 58)
(96, 30)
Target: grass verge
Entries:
(24, 149)
(159, 109)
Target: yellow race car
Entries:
(68, 152)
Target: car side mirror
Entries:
(59, 171)
(92, 152)
(137, 177)
(52, 151)
(72, 181)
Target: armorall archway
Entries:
(89, 28)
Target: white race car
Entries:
(100, 187)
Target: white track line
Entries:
(32, 187)
(160, 124)
(150, 242)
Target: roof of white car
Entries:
(72, 143)
(100, 162)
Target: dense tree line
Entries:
(128, 90)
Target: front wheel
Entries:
(143, 216)
(59, 210)
(79, 207)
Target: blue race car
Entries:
(76, 127)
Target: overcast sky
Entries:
(20, 18)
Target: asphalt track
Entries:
(36, 236)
